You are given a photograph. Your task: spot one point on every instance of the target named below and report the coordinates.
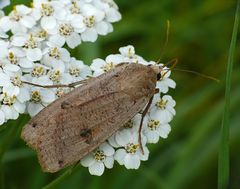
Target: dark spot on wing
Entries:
(87, 134)
(65, 105)
(60, 162)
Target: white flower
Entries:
(153, 129)
(78, 70)
(100, 66)
(13, 85)
(110, 8)
(162, 109)
(11, 106)
(4, 3)
(134, 123)
(2, 117)
(128, 55)
(19, 20)
(37, 71)
(62, 91)
(130, 155)
(5, 65)
(39, 33)
(94, 23)
(73, 7)
(59, 77)
(50, 12)
(99, 159)
(3, 30)
(40, 97)
(165, 83)
(14, 57)
(7, 85)
(65, 33)
(30, 44)
(3, 34)
(127, 51)
(55, 57)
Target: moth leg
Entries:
(141, 123)
(156, 91)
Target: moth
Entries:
(77, 123)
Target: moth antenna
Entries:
(165, 43)
(173, 63)
(199, 74)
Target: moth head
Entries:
(158, 70)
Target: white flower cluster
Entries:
(32, 43)
(124, 146)
(35, 53)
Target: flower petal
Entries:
(34, 54)
(132, 161)
(87, 160)
(109, 161)
(96, 169)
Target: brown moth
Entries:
(77, 123)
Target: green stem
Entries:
(61, 178)
(223, 158)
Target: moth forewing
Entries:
(76, 124)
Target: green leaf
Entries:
(223, 157)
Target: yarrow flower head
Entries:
(100, 158)
(35, 55)
(129, 154)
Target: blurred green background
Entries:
(200, 37)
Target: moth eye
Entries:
(149, 65)
(159, 76)
(34, 125)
